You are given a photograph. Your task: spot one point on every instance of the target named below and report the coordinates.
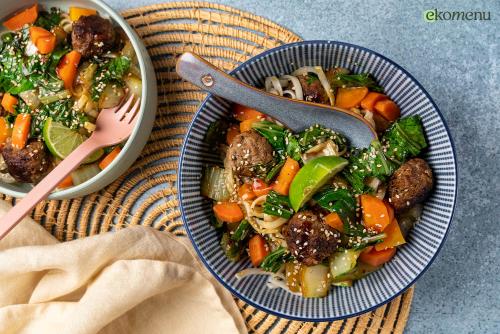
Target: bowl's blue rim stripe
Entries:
(234, 292)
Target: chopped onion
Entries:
(273, 82)
(296, 87)
(134, 84)
(111, 96)
(47, 99)
(369, 117)
(213, 184)
(30, 97)
(290, 93)
(327, 148)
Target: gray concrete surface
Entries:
(457, 62)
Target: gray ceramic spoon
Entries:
(295, 114)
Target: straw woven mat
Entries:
(146, 194)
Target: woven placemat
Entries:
(147, 193)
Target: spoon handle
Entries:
(295, 114)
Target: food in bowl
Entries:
(308, 209)
(57, 71)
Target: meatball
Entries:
(248, 153)
(309, 239)
(410, 184)
(92, 35)
(313, 89)
(29, 164)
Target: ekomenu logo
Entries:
(433, 15)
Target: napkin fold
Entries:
(136, 280)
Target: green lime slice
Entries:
(312, 176)
(61, 140)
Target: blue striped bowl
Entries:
(424, 241)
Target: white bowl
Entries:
(140, 134)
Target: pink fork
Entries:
(113, 126)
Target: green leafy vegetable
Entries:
(277, 205)
(50, 19)
(60, 111)
(241, 231)
(356, 80)
(342, 202)
(232, 249)
(217, 224)
(316, 134)
(274, 171)
(404, 139)
(216, 132)
(109, 72)
(274, 133)
(311, 78)
(274, 260)
(293, 149)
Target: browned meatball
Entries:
(92, 35)
(248, 153)
(410, 184)
(313, 89)
(309, 239)
(29, 164)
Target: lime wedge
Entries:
(61, 140)
(312, 176)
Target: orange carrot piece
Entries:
(260, 188)
(9, 102)
(110, 157)
(232, 132)
(368, 103)
(257, 249)
(246, 125)
(375, 215)
(21, 130)
(243, 113)
(44, 40)
(76, 12)
(228, 212)
(68, 68)
(350, 97)
(66, 183)
(27, 16)
(245, 192)
(333, 219)
(5, 131)
(390, 211)
(388, 109)
(286, 175)
(394, 237)
(376, 258)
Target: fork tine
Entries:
(129, 117)
(125, 107)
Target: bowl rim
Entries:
(318, 319)
(74, 191)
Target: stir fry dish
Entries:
(57, 71)
(306, 208)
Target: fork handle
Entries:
(48, 183)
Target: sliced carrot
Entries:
(260, 188)
(76, 12)
(333, 219)
(390, 211)
(68, 68)
(388, 109)
(247, 125)
(368, 103)
(286, 175)
(245, 192)
(228, 212)
(21, 130)
(27, 16)
(110, 157)
(243, 113)
(38, 32)
(375, 215)
(9, 102)
(44, 40)
(232, 132)
(5, 131)
(350, 97)
(66, 183)
(257, 249)
(376, 258)
(394, 237)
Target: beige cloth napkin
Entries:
(136, 280)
